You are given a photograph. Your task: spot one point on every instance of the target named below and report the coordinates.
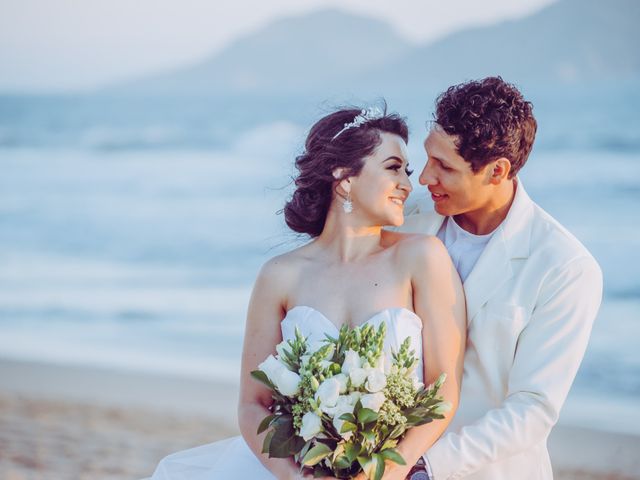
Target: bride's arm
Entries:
(438, 299)
(262, 334)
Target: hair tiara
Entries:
(366, 115)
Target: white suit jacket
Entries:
(532, 298)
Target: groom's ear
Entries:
(500, 170)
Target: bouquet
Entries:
(340, 406)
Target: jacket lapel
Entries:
(494, 267)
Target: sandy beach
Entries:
(62, 422)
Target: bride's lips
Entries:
(397, 200)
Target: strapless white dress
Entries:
(232, 458)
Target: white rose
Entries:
(311, 426)
(328, 392)
(376, 380)
(271, 367)
(343, 380)
(288, 382)
(373, 401)
(351, 361)
(358, 376)
(285, 381)
(354, 397)
(345, 404)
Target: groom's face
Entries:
(455, 189)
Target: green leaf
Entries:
(285, 442)
(348, 427)
(342, 462)
(397, 431)
(379, 471)
(393, 455)
(366, 415)
(264, 424)
(262, 377)
(373, 467)
(389, 443)
(368, 465)
(267, 441)
(352, 451)
(303, 451)
(369, 435)
(348, 417)
(316, 455)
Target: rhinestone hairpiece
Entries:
(372, 113)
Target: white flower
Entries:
(343, 380)
(271, 366)
(358, 376)
(311, 425)
(373, 401)
(285, 381)
(351, 361)
(376, 380)
(345, 404)
(354, 397)
(328, 392)
(288, 382)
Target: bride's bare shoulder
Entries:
(287, 265)
(416, 249)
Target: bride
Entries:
(353, 180)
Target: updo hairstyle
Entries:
(306, 211)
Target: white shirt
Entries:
(464, 247)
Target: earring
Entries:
(347, 206)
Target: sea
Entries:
(131, 230)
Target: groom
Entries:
(533, 290)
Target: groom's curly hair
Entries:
(489, 119)
(306, 211)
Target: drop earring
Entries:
(347, 206)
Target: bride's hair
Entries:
(329, 146)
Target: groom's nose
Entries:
(427, 176)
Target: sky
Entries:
(76, 45)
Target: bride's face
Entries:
(378, 193)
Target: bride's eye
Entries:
(408, 171)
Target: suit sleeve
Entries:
(548, 354)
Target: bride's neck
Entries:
(345, 240)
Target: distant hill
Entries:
(569, 41)
(290, 55)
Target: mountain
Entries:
(333, 52)
(570, 41)
(290, 55)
